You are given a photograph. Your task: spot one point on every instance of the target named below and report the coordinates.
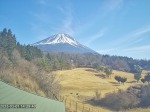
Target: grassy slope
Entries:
(85, 82)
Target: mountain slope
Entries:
(62, 43)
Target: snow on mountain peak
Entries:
(58, 38)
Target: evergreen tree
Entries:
(143, 80)
(137, 74)
(147, 77)
(8, 42)
(108, 71)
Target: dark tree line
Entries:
(125, 63)
(8, 43)
(29, 52)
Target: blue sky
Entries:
(115, 27)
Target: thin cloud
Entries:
(112, 5)
(67, 22)
(42, 17)
(142, 31)
(107, 7)
(40, 24)
(137, 34)
(42, 2)
(96, 36)
(106, 51)
(43, 23)
(132, 38)
(67, 25)
(139, 49)
(129, 40)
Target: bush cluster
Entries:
(120, 79)
(133, 97)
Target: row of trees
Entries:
(106, 70)
(138, 75)
(8, 43)
(124, 63)
(29, 52)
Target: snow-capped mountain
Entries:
(62, 43)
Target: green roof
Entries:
(13, 99)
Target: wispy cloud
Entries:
(44, 24)
(132, 38)
(112, 5)
(42, 2)
(141, 32)
(143, 48)
(103, 11)
(106, 51)
(40, 24)
(124, 44)
(67, 22)
(96, 36)
(137, 33)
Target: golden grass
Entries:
(85, 81)
(138, 110)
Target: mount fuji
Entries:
(62, 43)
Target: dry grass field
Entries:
(85, 81)
(82, 83)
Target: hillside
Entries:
(24, 67)
(86, 81)
(81, 84)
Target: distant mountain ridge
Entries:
(62, 43)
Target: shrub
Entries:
(145, 95)
(119, 101)
(143, 80)
(120, 79)
(147, 77)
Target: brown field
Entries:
(80, 84)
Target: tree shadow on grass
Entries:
(115, 83)
(101, 76)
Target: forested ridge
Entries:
(125, 63)
(59, 61)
